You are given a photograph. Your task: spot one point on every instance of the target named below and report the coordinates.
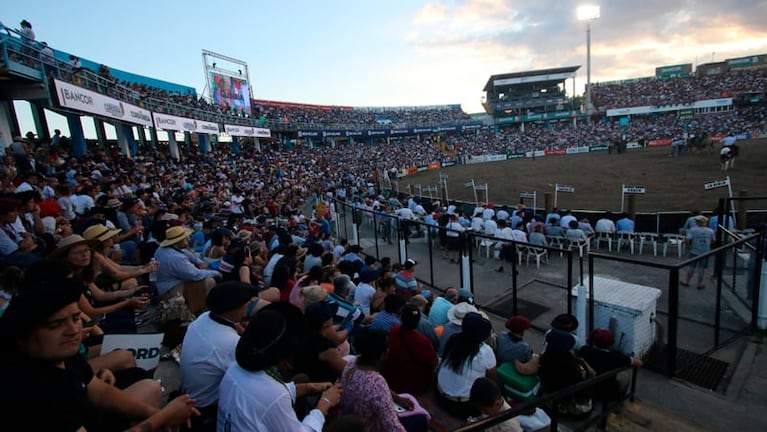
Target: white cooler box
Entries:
(632, 306)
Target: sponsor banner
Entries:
(537, 153)
(410, 170)
(515, 156)
(434, 165)
(634, 190)
(421, 168)
(308, 134)
(717, 137)
(633, 145)
(717, 184)
(659, 142)
(446, 129)
(145, 347)
(353, 133)
(206, 127)
(565, 188)
(262, 133)
(576, 150)
(530, 195)
(331, 133)
(470, 127)
(600, 147)
(173, 123)
(681, 70)
(395, 132)
(235, 130)
(77, 98)
(477, 159)
(648, 109)
(448, 163)
(746, 61)
(555, 152)
(743, 136)
(376, 133)
(495, 158)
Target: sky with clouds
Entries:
(397, 52)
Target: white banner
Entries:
(235, 130)
(634, 189)
(206, 127)
(527, 195)
(145, 347)
(575, 150)
(77, 98)
(717, 184)
(537, 153)
(565, 188)
(494, 158)
(173, 123)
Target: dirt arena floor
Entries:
(672, 183)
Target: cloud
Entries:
(628, 40)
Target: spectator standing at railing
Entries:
(27, 36)
(49, 60)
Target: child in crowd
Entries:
(487, 396)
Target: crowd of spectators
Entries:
(678, 90)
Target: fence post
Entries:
(673, 320)
(742, 212)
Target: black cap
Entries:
(230, 295)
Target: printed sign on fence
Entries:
(145, 347)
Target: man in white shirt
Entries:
(209, 346)
(605, 224)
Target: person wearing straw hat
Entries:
(254, 395)
(116, 307)
(40, 336)
(181, 272)
(112, 275)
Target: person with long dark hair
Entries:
(366, 393)
(466, 357)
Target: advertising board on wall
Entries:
(77, 98)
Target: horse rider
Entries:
(729, 141)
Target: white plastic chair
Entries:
(582, 245)
(649, 238)
(539, 254)
(674, 240)
(556, 242)
(488, 245)
(603, 236)
(625, 237)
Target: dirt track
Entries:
(672, 183)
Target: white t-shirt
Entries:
(459, 384)
(269, 268)
(363, 296)
(208, 352)
(255, 402)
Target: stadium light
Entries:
(588, 13)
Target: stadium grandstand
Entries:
(658, 109)
(182, 161)
(520, 97)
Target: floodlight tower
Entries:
(588, 13)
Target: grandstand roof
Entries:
(552, 74)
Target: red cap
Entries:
(518, 324)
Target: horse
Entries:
(726, 158)
(703, 144)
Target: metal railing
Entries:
(552, 400)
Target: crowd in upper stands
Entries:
(679, 90)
